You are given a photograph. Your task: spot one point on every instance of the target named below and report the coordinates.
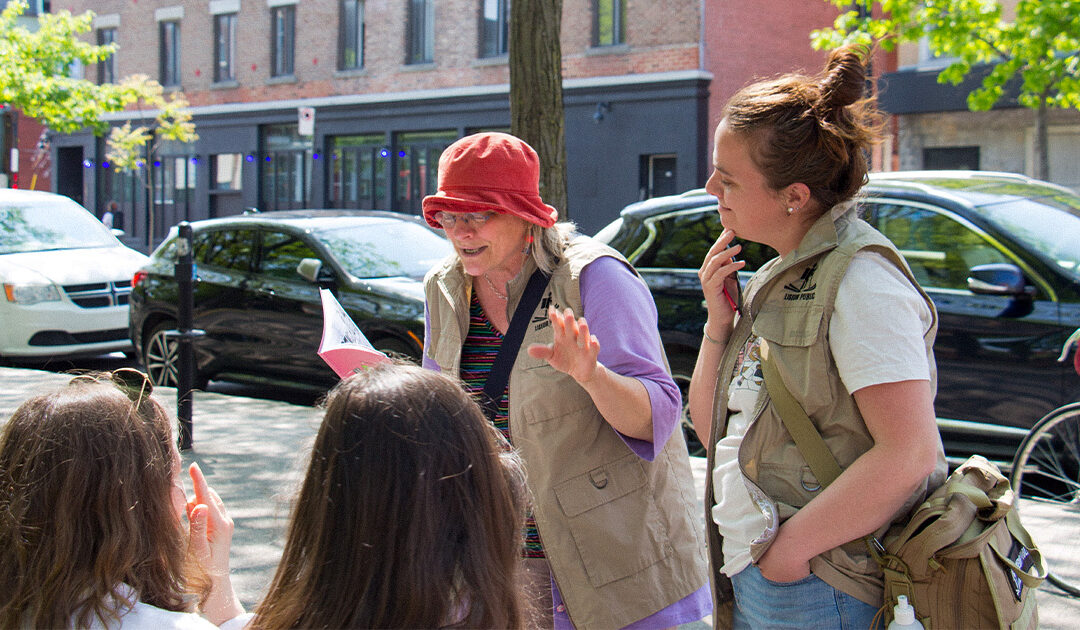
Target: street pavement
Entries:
(253, 452)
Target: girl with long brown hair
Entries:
(91, 516)
(410, 514)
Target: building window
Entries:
(106, 71)
(169, 53)
(351, 35)
(421, 40)
(360, 167)
(34, 7)
(285, 168)
(226, 171)
(224, 47)
(283, 39)
(494, 28)
(609, 22)
(416, 167)
(947, 158)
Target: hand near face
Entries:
(718, 271)
(574, 349)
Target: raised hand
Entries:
(574, 349)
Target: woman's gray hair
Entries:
(549, 244)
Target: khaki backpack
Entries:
(963, 559)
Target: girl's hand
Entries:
(574, 349)
(210, 527)
(717, 273)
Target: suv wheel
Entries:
(161, 356)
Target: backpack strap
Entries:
(499, 375)
(807, 438)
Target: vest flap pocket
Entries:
(600, 485)
(789, 325)
(614, 521)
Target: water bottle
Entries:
(904, 616)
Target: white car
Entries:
(66, 279)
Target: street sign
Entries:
(306, 121)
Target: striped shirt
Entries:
(477, 357)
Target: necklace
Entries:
(498, 294)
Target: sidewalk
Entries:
(253, 452)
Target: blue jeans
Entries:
(805, 603)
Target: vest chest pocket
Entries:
(613, 520)
(795, 325)
(548, 394)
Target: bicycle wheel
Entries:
(1046, 476)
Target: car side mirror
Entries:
(312, 270)
(1004, 279)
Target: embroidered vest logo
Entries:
(804, 289)
(541, 320)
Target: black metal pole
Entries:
(185, 275)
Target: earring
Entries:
(791, 211)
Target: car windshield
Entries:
(1049, 226)
(385, 249)
(30, 225)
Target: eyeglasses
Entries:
(135, 384)
(447, 220)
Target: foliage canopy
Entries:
(35, 78)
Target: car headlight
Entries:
(31, 293)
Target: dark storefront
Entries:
(625, 141)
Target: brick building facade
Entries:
(643, 85)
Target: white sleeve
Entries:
(877, 327)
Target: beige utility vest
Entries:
(620, 533)
(788, 304)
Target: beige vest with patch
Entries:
(620, 533)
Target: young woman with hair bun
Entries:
(850, 333)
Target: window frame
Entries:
(283, 41)
(169, 53)
(225, 68)
(501, 29)
(618, 23)
(420, 37)
(106, 70)
(351, 25)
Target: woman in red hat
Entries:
(556, 335)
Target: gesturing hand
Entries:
(210, 527)
(574, 349)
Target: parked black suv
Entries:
(257, 292)
(998, 253)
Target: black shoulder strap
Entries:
(508, 350)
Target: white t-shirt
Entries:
(875, 335)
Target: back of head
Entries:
(85, 476)
(811, 130)
(409, 515)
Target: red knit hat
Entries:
(490, 171)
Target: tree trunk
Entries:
(1042, 145)
(536, 99)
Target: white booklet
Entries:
(343, 346)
